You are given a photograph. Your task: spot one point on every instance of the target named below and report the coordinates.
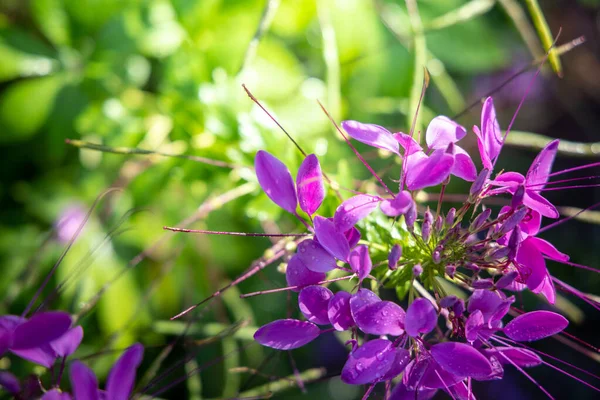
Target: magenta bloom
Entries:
(41, 339)
(489, 137)
(119, 384)
(534, 182)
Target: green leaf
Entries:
(26, 105)
(52, 20)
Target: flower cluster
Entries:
(48, 336)
(441, 341)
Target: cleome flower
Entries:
(440, 341)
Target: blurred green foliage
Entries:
(165, 76)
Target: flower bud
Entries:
(506, 279)
(417, 270)
(512, 221)
(498, 253)
(514, 242)
(487, 283)
(480, 220)
(439, 223)
(436, 256)
(472, 266)
(479, 182)
(459, 307)
(448, 301)
(394, 256)
(517, 199)
(450, 216)
(426, 231)
(450, 270)
(428, 216)
(410, 217)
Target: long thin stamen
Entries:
(527, 90)
(255, 100)
(169, 228)
(412, 127)
(562, 221)
(583, 178)
(564, 171)
(360, 157)
(569, 187)
(287, 288)
(252, 271)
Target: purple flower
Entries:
(373, 135)
(309, 182)
(119, 384)
(41, 339)
(313, 302)
(360, 262)
(276, 181)
(489, 137)
(534, 182)
(420, 318)
(69, 221)
(286, 334)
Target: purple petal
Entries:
(509, 180)
(409, 144)
(68, 343)
(373, 135)
(360, 261)
(541, 166)
(473, 325)
(297, 274)
(535, 325)
(532, 263)
(83, 382)
(276, 181)
(490, 138)
(399, 205)
(463, 165)
(461, 360)
(538, 203)
(442, 131)
(9, 382)
(313, 302)
(40, 329)
(547, 289)
(338, 311)
(421, 317)
(315, 257)
(521, 357)
(286, 334)
(369, 362)
(436, 377)
(353, 210)
(363, 298)
(352, 236)
(401, 392)
(309, 182)
(423, 171)
(381, 318)
(43, 355)
(485, 301)
(331, 239)
(401, 360)
(56, 394)
(5, 341)
(531, 223)
(122, 375)
(548, 249)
